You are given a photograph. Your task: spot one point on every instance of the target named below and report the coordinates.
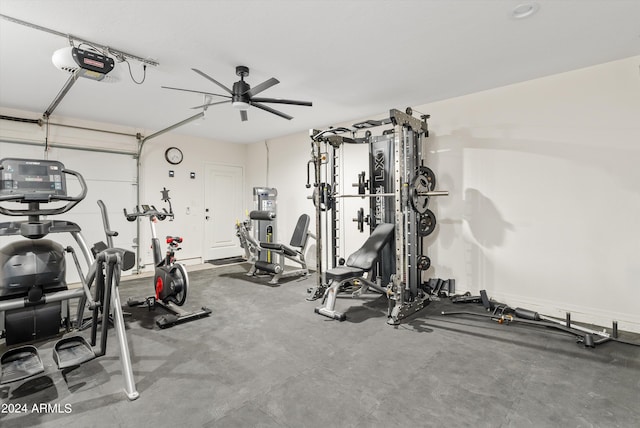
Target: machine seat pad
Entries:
(275, 246)
(301, 232)
(341, 273)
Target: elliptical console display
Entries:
(36, 180)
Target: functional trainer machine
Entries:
(34, 297)
(399, 189)
(171, 282)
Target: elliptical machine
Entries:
(171, 282)
(34, 297)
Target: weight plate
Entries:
(360, 219)
(424, 263)
(326, 197)
(431, 177)
(419, 202)
(426, 223)
(424, 181)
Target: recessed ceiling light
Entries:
(524, 10)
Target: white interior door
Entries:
(223, 207)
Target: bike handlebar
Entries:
(147, 211)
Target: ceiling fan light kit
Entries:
(242, 96)
(240, 105)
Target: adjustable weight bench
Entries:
(358, 265)
(295, 252)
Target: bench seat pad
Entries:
(341, 273)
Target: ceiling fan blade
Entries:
(206, 76)
(243, 115)
(270, 110)
(211, 104)
(197, 92)
(282, 101)
(261, 87)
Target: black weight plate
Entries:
(426, 223)
(420, 184)
(424, 263)
(360, 219)
(431, 177)
(326, 197)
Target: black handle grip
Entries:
(527, 314)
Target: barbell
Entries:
(420, 190)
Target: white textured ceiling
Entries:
(352, 58)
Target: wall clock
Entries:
(173, 155)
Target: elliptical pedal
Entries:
(20, 363)
(72, 352)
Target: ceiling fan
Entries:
(242, 95)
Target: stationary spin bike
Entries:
(170, 279)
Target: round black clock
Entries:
(173, 155)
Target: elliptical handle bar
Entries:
(22, 197)
(105, 221)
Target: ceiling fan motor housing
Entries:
(240, 92)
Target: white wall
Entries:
(544, 192)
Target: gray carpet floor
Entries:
(265, 359)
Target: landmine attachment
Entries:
(504, 314)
